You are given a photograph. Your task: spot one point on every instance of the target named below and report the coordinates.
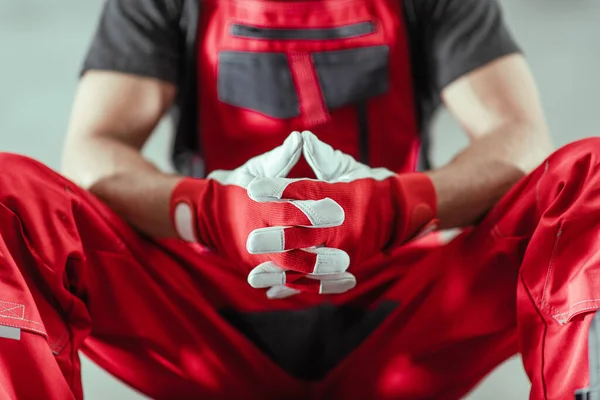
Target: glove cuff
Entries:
(184, 208)
(418, 202)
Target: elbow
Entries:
(522, 143)
(536, 144)
(68, 161)
(78, 162)
(89, 160)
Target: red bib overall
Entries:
(338, 68)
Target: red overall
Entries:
(340, 68)
(434, 319)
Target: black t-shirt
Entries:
(157, 38)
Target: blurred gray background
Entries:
(42, 43)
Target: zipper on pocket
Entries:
(340, 32)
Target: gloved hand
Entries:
(218, 213)
(382, 210)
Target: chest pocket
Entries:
(260, 82)
(307, 84)
(352, 76)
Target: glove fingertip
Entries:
(338, 286)
(325, 213)
(266, 240)
(281, 292)
(266, 189)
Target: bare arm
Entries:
(113, 116)
(499, 109)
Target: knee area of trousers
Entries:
(16, 167)
(581, 150)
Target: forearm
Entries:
(481, 174)
(119, 176)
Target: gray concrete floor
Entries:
(43, 43)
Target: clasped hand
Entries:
(307, 235)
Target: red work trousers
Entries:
(74, 276)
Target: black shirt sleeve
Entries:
(140, 37)
(461, 36)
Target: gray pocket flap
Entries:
(260, 82)
(352, 76)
